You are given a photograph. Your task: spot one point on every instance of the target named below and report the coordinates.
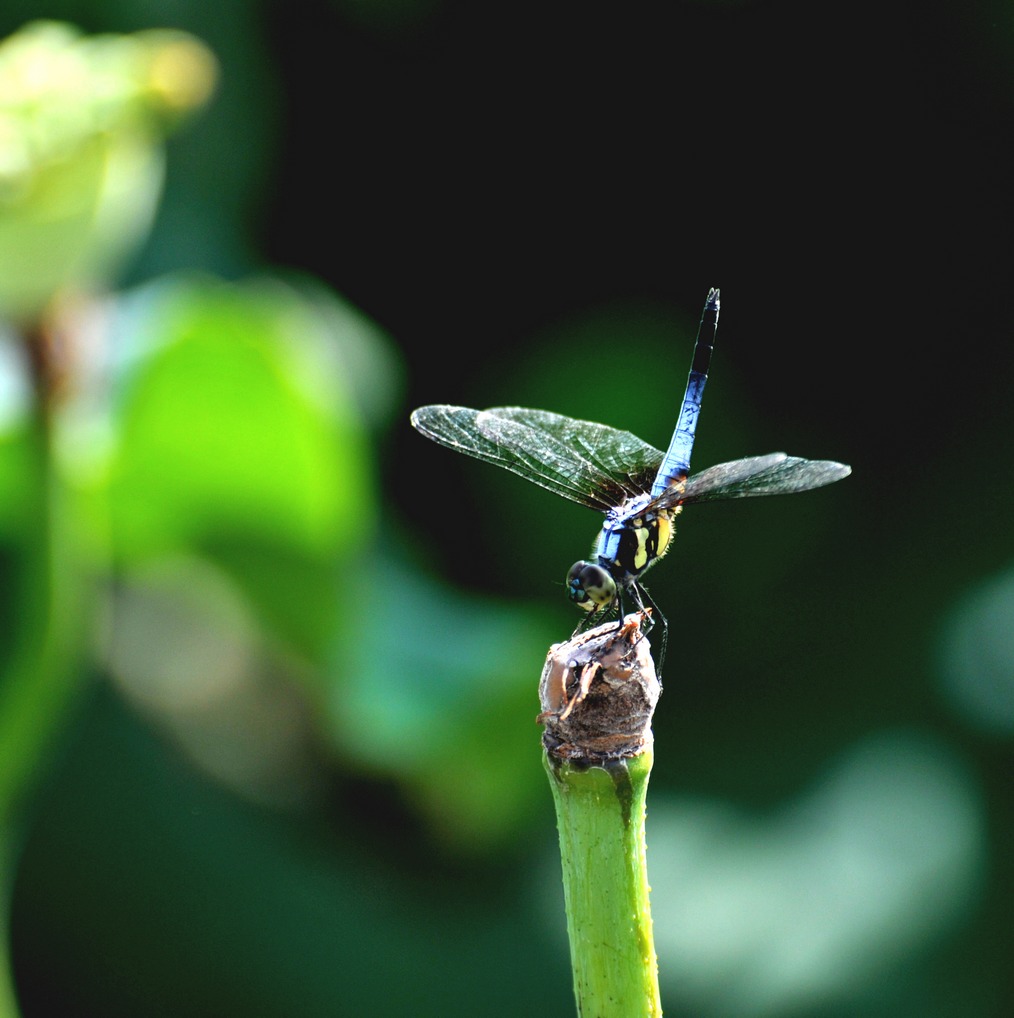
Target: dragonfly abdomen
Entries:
(676, 464)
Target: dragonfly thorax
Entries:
(629, 542)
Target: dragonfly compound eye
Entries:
(590, 587)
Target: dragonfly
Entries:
(639, 489)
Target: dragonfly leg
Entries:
(646, 603)
(592, 619)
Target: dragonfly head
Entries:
(590, 587)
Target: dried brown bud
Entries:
(598, 693)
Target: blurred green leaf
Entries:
(235, 435)
(442, 697)
(232, 425)
(855, 874)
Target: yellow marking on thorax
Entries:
(665, 532)
(642, 531)
(653, 537)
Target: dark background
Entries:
(532, 200)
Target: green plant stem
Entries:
(598, 693)
(44, 673)
(600, 815)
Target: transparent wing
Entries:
(586, 462)
(774, 474)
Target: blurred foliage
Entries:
(207, 447)
(270, 661)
